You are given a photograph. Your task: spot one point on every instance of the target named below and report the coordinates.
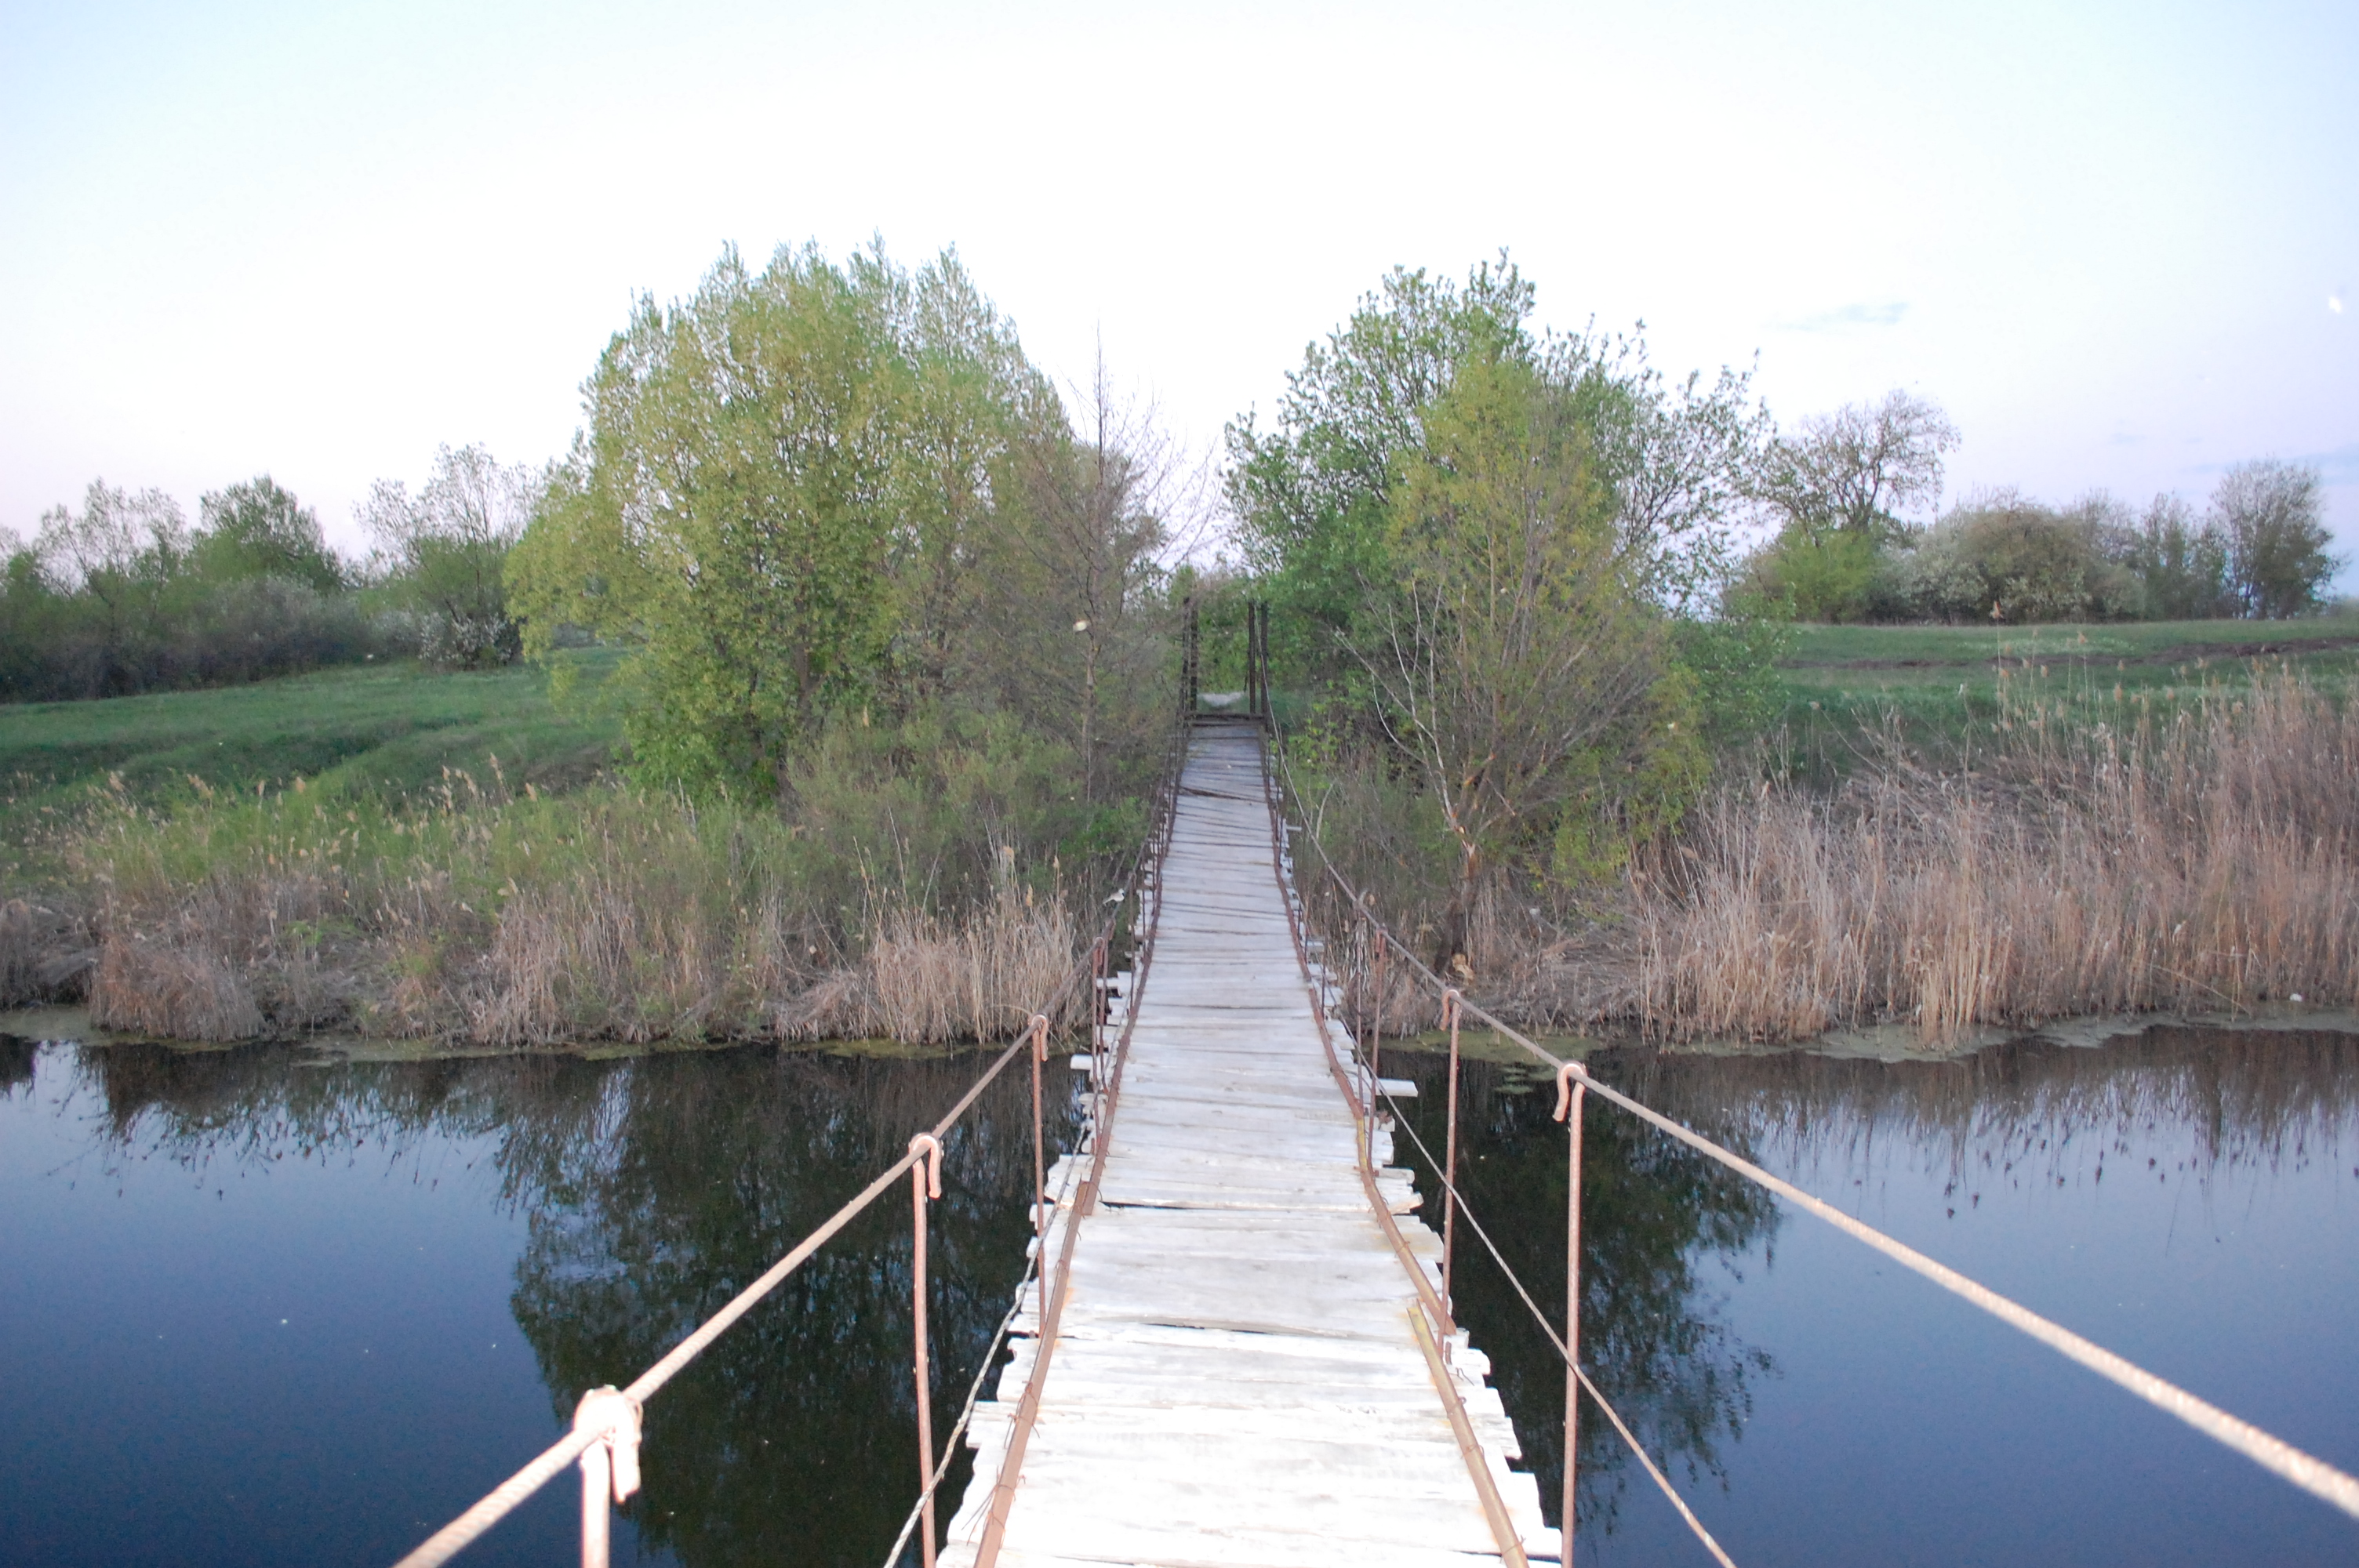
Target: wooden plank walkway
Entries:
(1236, 1378)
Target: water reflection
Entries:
(652, 1190)
(2183, 1196)
(1654, 1335)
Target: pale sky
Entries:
(2118, 244)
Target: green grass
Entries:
(2151, 641)
(1932, 687)
(387, 730)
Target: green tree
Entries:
(774, 501)
(119, 557)
(444, 554)
(2269, 513)
(2183, 562)
(1310, 496)
(1855, 470)
(1674, 461)
(257, 529)
(1516, 657)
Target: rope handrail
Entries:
(2312, 1475)
(608, 1419)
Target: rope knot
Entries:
(615, 1415)
(1039, 1026)
(1452, 999)
(928, 1145)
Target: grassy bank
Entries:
(1955, 828)
(1854, 692)
(2152, 817)
(410, 855)
(388, 730)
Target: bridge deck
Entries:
(1236, 1378)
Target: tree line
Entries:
(122, 595)
(1840, 549)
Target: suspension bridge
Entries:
(1249, 1360)
(1236, 1345)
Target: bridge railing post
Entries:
(610, 1466)
(1451, 1001)
(924, 1181)
(1571, 1097)
(1040, 1028)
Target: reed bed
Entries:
(2101, 860)
(516, 920)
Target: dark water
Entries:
(2186, 1199)
(260, 1310)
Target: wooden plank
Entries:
(1234, 1381)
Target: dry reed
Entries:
(2198, 862)
(610, 916)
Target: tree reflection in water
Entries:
(1653, 1213)
(655, 1188)
(1655, 1331)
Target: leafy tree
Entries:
(1310, 495)
(118, 555)
(1514, 657)
(258, 529)
(1674, 461)
(2183, 563)
(783, 479)
(1855, 470)
(444, 553)
(2269, 513)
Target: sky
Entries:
(2119, 245)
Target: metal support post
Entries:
(610, 1466)
(924, 1181)
(1450, 1000)
(1570, 1099)
(1040, 1028)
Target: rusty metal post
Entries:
(924, 1181)
(597, 1513)
(1570, 1099)
(610, 1466)
(1040, 1028)
(1376, 1028)
(1450, 1002)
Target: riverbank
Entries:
(2182, 842)
(2187, 852)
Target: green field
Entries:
(383, 728)
(393, 729)
(1930, 687)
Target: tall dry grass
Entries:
(514, 921)
(2102, 860)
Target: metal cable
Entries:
(2271, 1452)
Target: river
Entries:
(268, 1305)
